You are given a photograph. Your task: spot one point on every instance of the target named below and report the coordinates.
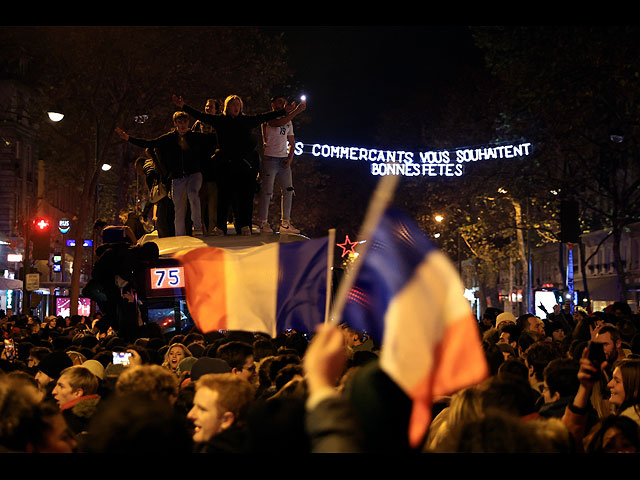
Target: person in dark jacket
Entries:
(183, 152)
(237, 162)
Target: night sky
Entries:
(350, 74)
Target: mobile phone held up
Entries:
(596, 354)
(122, 358)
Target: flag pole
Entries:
(379, 202)
(330, 248)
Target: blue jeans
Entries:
(272, 168)
(183, 189)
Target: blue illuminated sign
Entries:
(64, 225)
(85, 243)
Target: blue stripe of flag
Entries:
(397, 247)
(302, 285)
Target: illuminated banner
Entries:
(438, 163)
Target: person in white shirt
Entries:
(278, 143)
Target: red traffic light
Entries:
(41, 224)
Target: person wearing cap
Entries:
(183, 153)
(505, 317)
(95, 367)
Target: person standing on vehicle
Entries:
(182, 152)
(237, 160)
(278, 143)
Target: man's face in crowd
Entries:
(505, 337)
(610, 348)
(206, 415)
(182, 125)
(210, 108)
(278, 103)
(248, 371)
(536, 326)
(63, 392)
(43, 379)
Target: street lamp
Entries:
(55, 116)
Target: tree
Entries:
(571, 88)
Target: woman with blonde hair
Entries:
(174, 355)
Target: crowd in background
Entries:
(62, 389)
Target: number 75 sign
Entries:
(167, 277)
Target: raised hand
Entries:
(325, 358)
(122, 134)
(179, 102)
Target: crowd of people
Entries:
(202, 175)
(566, 383)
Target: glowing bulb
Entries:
(106, 167)
(55, 116)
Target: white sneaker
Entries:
(286, 227)
(265, 227)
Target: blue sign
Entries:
(64, 225)
(85, 243)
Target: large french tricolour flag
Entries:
(408, 295)
(268, 288)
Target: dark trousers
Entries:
(165, 214)
(236, 191)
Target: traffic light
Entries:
(41, 238)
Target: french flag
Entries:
(409, 297)
(267, 289)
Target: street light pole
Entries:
(26, 264)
